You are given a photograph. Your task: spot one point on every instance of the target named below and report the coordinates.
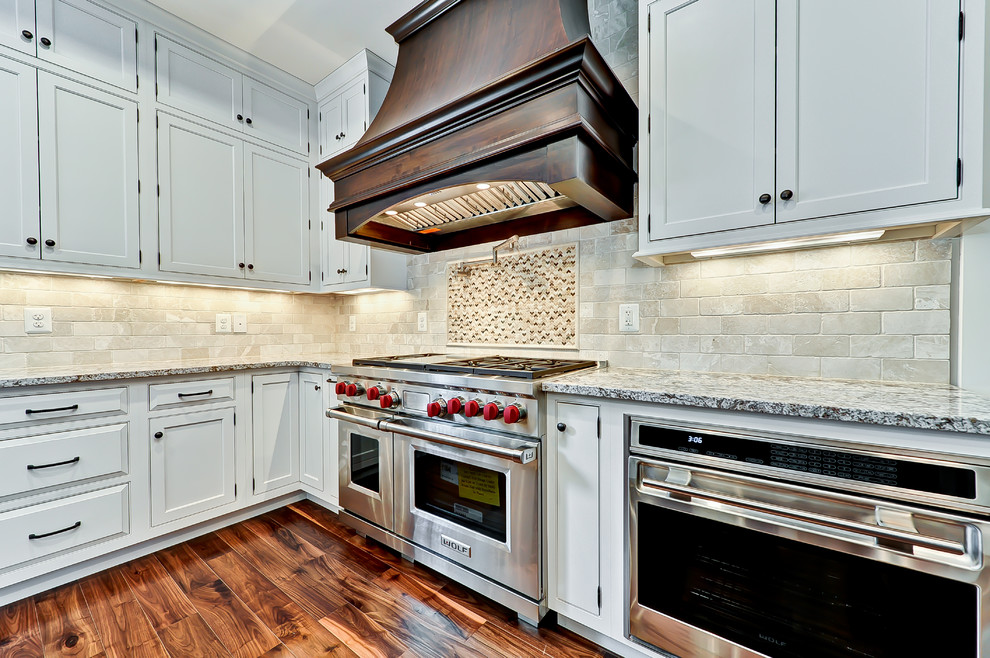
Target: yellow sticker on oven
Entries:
(478, 484)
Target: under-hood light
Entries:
(784, 245)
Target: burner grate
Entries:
(505, 366)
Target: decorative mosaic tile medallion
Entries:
(527, 299)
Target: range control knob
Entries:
(514, 413)
(493, 411)
(376, 392)
(472, 408)
(437, 408)
(455, 406)
(340, 388)
(389, 401)
(354, 390)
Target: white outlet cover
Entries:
(224, 323)
(352, 323)
(37, 320)
(629, 318)
(421, 322)
(238, 322)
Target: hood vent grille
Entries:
(484, 203)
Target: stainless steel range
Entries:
(441, 458)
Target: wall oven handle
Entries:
(520, 456)
(338, 414)
(876, 532)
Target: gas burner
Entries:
(507, 366)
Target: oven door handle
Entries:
(876, 532)
(339, 414)
(518, 455)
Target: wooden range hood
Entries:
(502, 119)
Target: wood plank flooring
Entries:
(292, 583)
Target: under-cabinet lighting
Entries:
(782, 245)
(360, 291)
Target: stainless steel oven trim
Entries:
(376, 507)
(981, 504)
(520, 456)
(681, 637)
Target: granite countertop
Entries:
(922, 406)
(21, 377)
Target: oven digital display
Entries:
(903, 474)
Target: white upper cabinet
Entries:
(844, 115)
(201, 211)
(195, 83)
(89, 39)
(19, 228)
(275, 117)
(867, 105)
(89, 174)
(17, 28)
(276, 217)
(712, 94)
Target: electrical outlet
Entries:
(421, 322)
(238, 322)
(223, 323)
(37, 320)
(352, 323)
(629, 318)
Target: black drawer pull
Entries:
(74, 407)
(56, 532)
(32, 467)
(192, 395)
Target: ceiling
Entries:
(307, 38)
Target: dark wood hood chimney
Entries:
(502, 119)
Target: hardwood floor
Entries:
(290, 583)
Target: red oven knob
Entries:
(455, 405)
(353, 390)
(514, 413)
(472, 408)
(340, 388)
(376, 392)
(437, 408)
(389, 401)
(493, 410)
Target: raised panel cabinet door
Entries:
(275, 117)
(201, 199)
(192, 463)
(88, 145)
(575, 551)
(85, 37)
(197, 84)
(19, 208)
(358, 256)
(354, 100)
(275, 424)
(16, 18)
(867, 105)
(276, 217)
(313, 425)
(711, 104)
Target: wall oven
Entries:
(748, 544)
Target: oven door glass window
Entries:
(468, 495)
(366, 462)
(788, 599)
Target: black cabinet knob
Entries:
(787, 195)
(248, 121)
(561, 427)
(45, 41)
(49, 243)
(337, 137)
(765, 199)
(342, 135)
(159, 435)
(32, 241)
(27, 34)
(250, 266)
(240, 265)
(240, 117)
(317, 387)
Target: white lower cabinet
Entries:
(574, 510)
(275, 427)
(192, 463)
(313, 430)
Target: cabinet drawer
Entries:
(59, 406)
(50, 460)
(62, 525)
(201, 390)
